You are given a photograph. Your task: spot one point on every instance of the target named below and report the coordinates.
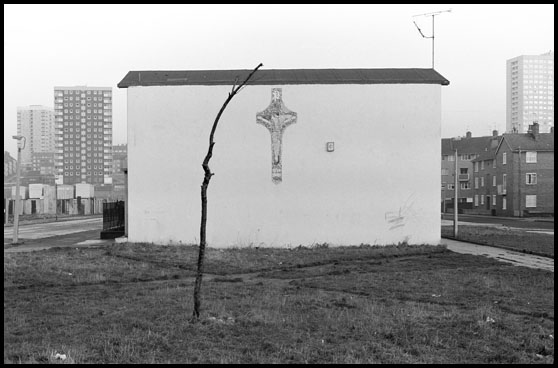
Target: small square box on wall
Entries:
(330, 146)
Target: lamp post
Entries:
(18, 200)
(455, 204)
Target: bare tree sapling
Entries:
(207, 176)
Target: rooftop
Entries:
(526, 141)
(465, 145)
(282, 77)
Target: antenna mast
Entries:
(432, 37)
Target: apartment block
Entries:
(530, 92)
(83, 118)
(517, 179)
(467, 149)
(36, 124)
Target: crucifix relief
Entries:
(276, 117)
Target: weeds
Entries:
(366, 304)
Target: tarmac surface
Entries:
(85, 232)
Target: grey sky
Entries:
(96, 45)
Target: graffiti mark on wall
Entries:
(405, 213)
(276, 117)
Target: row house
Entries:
(466, 149)
(517, 178)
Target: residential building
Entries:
(119, 162)
(36, 124)
(530, 92)
(468, 148)
(301, 156)
(10, 165)
(83, 135)
(43, 162)
(517, 178)
(119, 156)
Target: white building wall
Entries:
(379, 186)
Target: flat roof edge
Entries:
(283, 77)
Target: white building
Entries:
(83, 135)
(36, 124)
(530, 92)
(341, 156)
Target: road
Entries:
(516, 222)
(48, 229)
(70, 233)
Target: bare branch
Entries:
(207, 177)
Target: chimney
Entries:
(469, 135)
(534, 130)
(494, 133)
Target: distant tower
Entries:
(83, 118)
(36, 124)
(530, 92)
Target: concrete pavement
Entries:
(503, 255)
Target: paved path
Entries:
(503, 255)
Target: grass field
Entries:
(514, 239)
(131, 303)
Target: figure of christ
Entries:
(276, 117)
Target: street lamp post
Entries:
(18, 200)
(455, 202)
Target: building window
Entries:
(504, 203)
(494, 200)
(445, 171)
(531, 156)
(504, 158)
(451, 186)
(531, 200)
(476, 200)
(482, 200)
(482, 165)
(530, 178)
(465, 185)
(476, 164)
(482, 181)
(504, 181)
(451, 158)
(494, 181)
(476, 183)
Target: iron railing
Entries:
(114, 215)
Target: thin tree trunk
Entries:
(205, 184)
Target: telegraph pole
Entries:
(432, 37)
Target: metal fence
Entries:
(114, 216)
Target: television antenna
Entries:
(432, 37)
